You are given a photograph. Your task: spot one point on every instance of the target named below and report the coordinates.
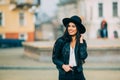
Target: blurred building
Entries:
(48, 28)
(17, 19)
(101, 17)
(45, 31)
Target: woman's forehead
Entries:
(71, 23)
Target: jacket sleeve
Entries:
(83, 50)
(57, 49)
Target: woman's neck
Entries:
(73, 38)
(73, 42)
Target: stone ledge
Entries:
(43, 50)
(117, 68)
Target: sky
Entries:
(48, 7)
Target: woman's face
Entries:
(72, 29)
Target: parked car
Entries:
(10, 43)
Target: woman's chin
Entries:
(72, 34)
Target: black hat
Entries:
(75, 19)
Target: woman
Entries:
(70, 50)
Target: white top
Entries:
(72, 61)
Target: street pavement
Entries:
(14, 65)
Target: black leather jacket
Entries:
(61, 52)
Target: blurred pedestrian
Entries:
(70, 50)
(104, 31)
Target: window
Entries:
(2, 36)
(1, 19)
(36, 2)
(115, 9)
(23, 36)
(12, 1)
(21, 18)
(100, 8)
(2, 1)
(20, 1)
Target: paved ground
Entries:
(15, 66)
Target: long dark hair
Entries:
(68, 38)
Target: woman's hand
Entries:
(67, 68)
(81, 38)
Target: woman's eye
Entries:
(73, 26)
(68, 25)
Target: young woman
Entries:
(70, 50)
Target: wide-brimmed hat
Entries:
(77, 20)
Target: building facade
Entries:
(101, 17)
(16, 20)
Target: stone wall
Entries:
(100, 51)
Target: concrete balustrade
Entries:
(98, 50)
(39, 50)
